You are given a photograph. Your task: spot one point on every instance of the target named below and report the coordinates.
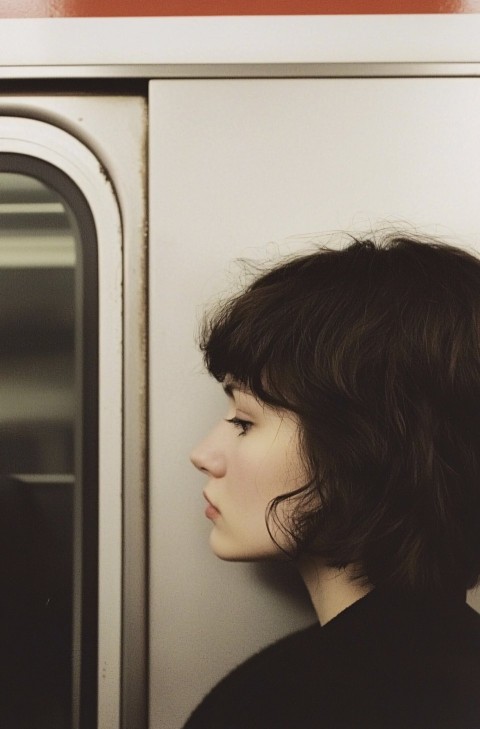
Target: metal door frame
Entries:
(75, 135)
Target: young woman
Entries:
(352, 445)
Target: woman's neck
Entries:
(331, 590)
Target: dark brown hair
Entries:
(376, 349)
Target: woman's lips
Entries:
(211, 512)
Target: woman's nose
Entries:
(209, 458)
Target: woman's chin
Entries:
(231, 550)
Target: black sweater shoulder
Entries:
(384, 663)
(246, 696)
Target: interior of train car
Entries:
(143, 154)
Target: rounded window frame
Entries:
(59, 160)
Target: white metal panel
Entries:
(259, 39)
(235, 165)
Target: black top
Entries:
(386, 662)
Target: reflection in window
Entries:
(37, 416)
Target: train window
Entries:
(48, 449)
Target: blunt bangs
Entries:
(376, 349)
(253, 338)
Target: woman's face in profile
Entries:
(250, 457)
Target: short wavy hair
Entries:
(376, 349)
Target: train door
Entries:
(72, 416)
(253, 168)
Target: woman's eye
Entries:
(243, 425)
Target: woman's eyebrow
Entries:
(230, 387)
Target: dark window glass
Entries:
(48, 449)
